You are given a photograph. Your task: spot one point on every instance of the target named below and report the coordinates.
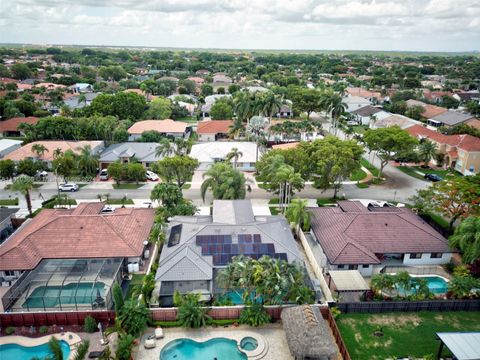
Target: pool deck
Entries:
(70, 338)
(272, 336)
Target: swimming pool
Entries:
(216, 348)
(74, 293)
(249, 343)
(236, 297)
(15, 351)
(436, 284)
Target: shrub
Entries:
(89, 324)
(10, 330)
(190, 313)
(254, 315)
(124, 347)
(335, 312)
(43, 329)
(134, 317)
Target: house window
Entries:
(415, 255)
(340, 266)
(435, 255)
(366, 266)
(352, 267)
(9, 273)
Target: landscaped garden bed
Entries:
(404, 334)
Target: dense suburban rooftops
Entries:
(214, 126)
(366, 110)
(75, 234)
(452, 117)
(162, 126)
(12, 124)
(354, 234)
(142, 151)
(465, 142)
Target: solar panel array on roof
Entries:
(175, 235)
(222, 249)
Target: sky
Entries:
(412, 25)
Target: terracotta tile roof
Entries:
(162, 126)
(357, 91)
(465, 142)
(350, 235)
(196, 79)
(12, 124)
(286, 146)
(77, 234)
(430, 110)
(26, 150)
(214, 126)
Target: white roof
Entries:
(348, 280)
(463, 345)
(7, 143)
(210, 151)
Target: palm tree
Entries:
(298, 213)
(332, 103)
(467, 239)
(271, 105)
(165, 148)
(82, 98)
(39, 150)
(182, 146)
(426, 151)
(236, 129)
(24, 184)
(57, 153)
(82, 350)
(288, 180)
(234, 154)
(55, 348)
(224, 181)
(381, 282)
(87, 162)
(243, 105)
(256, 131)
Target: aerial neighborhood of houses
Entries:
(283, 206)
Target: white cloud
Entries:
(318, 24)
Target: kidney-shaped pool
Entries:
(216, 348)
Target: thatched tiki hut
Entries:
(308, 335)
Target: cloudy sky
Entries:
(418, 25)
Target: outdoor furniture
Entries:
(149, 344)
(158, 333)
(95, 354)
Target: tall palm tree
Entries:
(87, 162)
(165, 148)
(426, 151)
(82, 350)
(39, 150)
(256, 131)
(271, 105)
(242, 105)
(57, 153)
(182, 146)
(82, 98)
(24, 184)
(236, 128)
(55, 348)
(298, 213)
(467, 239)
(288, 180)
(332, 103)
(234, 154)
(224, 181)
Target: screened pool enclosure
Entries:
(71, 284)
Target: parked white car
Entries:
(68, 187)
(151, 176)
(103, 175)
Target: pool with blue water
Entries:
(216, 348)
(19, 352)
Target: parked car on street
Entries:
(433, 177)
(151, 175)
(68, 187)
(103, 175)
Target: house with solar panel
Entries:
(198, 247)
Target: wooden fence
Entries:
(54, 318)
(408, 306)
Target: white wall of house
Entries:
(365, 270)
(426, 259)
(206, 137)
(10, 275)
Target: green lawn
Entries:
(413, 171)
(127, 186)
(9, 202)
(358, 175)
(274, 210)
(369, 166)
(323, 202)
(362, 185)
(405, 334)
(114, 201)
(359, 129)
(137, 279)
(186, 186)
(35, 186)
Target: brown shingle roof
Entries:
(12, 124)
(350, 236)
(26, 150)
(162, 126)
(81, 233)
(214, 127)
(430, 110)
(465, 142)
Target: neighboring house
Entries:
(394, 120)
(453, 118)
(197, 80)
(209, 153)
(430, 110)
(373, 96)
(75, 103)
(435, 96)
(462, 152)
(197, 247)
(355, 102)
(355, 237)
(285, 112)
(51, 145)
(286, 146)
(81, 248)
(168, 127)
(142, 152)
(467, 96)
(222, 78)
(49, 86)
(9, 127)
(202, 72)
(209, 101)
(213, 130)
(8, 145)
(254, 89)
(364, 114)
(6, 226)
(81, 88)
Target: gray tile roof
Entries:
(366, 110)
(5, 213)
(452, 117)
(232, 212)
(142, 151)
